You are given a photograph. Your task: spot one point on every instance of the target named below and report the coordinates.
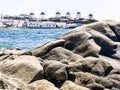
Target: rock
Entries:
(114, 76)
(8, 83)
(115, 79)
(84, 65)
(95, 86)
(103, 28)
(89, 56)
(4, 57)
(26, 68)
(116, 84)
(2, 53)
(106, 82)
(54, 70)
(12, 51)
(40, 85)
(115, 27)
(101, 68)
(45, 48)
(69, 85)
(60, 53)
(80, 42)
(81, 78)
(104, 41)
(75, 38)
(88, 48)
(86, 79)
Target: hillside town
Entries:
(32, 22)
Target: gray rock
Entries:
(95, 86)
(108, 47)
(101, 68)
(8, 83)
(45, 48)
(69, 85)
(40, 85)
(54, 70)
(75, 38)
(84, 65)
(60, 53)
(26, 68)
(103, 28)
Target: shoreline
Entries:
(30, 28)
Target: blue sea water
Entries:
(28, 38)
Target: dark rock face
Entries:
(55, 70)
(86, 58)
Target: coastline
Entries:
(83, 59)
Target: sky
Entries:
(101, 9)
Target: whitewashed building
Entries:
(48, 24)
(32, 24)
(90, 17)
(78, 15)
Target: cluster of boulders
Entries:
(86, 58)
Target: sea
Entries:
(26, 39)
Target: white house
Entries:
(48, 24)
(68, 15)
(58, 14)
(32, 24)
(90, 17)
(78, 15)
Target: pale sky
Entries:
(101, 9)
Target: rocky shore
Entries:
(86, 58)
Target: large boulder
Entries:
(108, 47)
(55, 70)
(40, 85)
(80, 42)
(45, 48)
(60, 54)
(93, 81)
(101, 68)
(8, 83)
(88, 48)
(26, 68)
(103, 28)
(115, 27)
(75, 38)
(84, 65)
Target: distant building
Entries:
(58, 14)
(32, 24)
(23, 16)
(78, 15)
(90, 17)
(48, 24)
(42, 15)
(68, 15)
